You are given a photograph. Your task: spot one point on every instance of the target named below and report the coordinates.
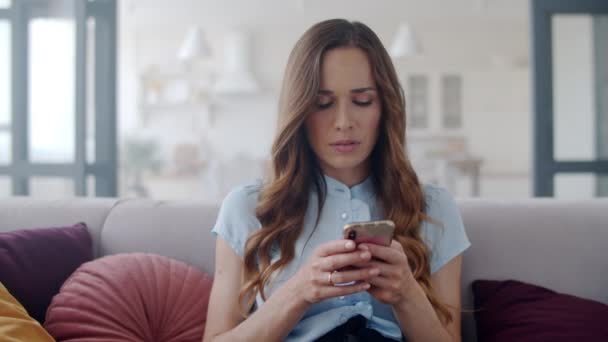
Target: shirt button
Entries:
(344, 216)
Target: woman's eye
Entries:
(363, 104)
(324, 105)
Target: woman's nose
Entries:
(343, 120)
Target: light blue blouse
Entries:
(236, 220)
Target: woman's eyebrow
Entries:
(356, 90)
(362, 90)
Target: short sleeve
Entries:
(446, 237)
(236, 219)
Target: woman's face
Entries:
(343, 128)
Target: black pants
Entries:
(354, 330)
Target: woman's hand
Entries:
(317, 279)
(395, 279)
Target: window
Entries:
(418, 99)
(57, 86)
(569, 50)
(5, 92)
(451, 101)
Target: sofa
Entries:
(559, 244)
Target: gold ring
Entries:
(330, 275)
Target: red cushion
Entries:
(131, 297)
(515, 311)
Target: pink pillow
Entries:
(131, 297)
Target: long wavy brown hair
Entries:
(284, 197)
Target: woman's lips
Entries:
(345, 146)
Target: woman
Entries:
(339, 157)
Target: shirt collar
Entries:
(362, 191)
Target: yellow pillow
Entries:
(15, 324)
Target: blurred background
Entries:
(178, 99)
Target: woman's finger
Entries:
(388, 254)
(338, 261)
(353, 275)
(384, 283)
(335, 291)
(335, 247)
(386, 270)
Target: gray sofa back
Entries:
(558, 244)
